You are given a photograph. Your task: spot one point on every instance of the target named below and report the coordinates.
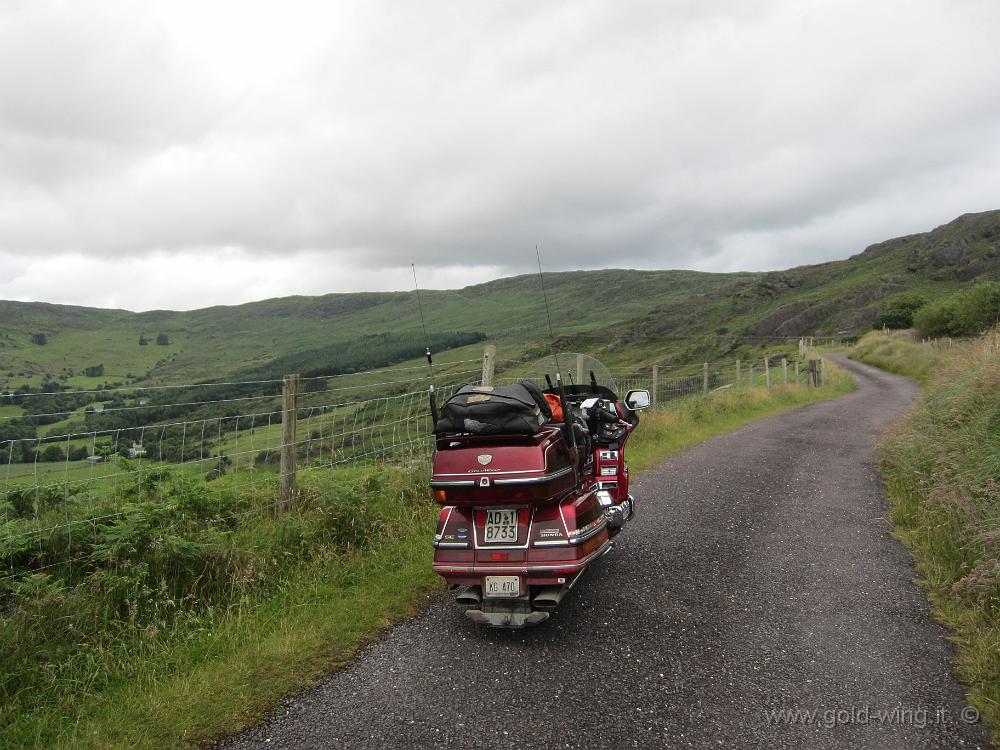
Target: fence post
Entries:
(704, 379)
(822, 370)
(767, 373)
(489, 363)
(813, 372)
(796, 373)
(784, 370)
(737, 374)
(750, 382)
(579, 370)
(655, 385)
(289, 419)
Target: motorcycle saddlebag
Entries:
(518, 409)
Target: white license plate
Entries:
(496, 586)
(501, 527)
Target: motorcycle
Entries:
(530, 500)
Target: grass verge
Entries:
(897, 352)
(942, 469)
(195, 615)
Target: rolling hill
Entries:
(254, 338)
(839, 297)
(629, 317)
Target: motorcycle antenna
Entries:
(430, 359)
(567, 412)
(548, 314)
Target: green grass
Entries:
(898, 352)
(942, 469)
(221, 678)
(203, 613)
(209, 614)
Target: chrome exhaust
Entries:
(469, 597)
(617, 515)
(549, 597)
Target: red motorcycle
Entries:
(534, 485)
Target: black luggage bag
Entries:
(518, 409)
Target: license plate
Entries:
(501, 586)
(501, 527)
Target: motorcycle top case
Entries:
(506, 469)
(518, 409)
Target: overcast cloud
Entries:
(181, 154)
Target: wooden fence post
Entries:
(489, 363)
(750, 382)
(822, 370)
(796, 373)
(704, 379)
(784, 370)
(289, 419)
(737, 373)
(813, 372)
(579, 370)
(655, 385)
(767, 373)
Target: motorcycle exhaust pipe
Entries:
(469, 597)
(549, 597)
(616, 517)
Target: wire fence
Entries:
(74, 462)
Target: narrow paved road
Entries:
(759, 575)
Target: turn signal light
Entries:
(498, 556)
(441, 496)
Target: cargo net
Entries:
(576, 370)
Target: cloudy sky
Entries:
(180, 154)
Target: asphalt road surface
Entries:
(758, 576)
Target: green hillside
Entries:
(840, 297)
(254, 338)
(627, 317)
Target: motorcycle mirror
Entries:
(637, 399)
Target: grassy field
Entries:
(201, 607)
(942, 469)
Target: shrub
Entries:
(969, 312)
(900, 312)
(52, 454)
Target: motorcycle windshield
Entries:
(581, 373)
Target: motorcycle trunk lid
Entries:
(479, 470)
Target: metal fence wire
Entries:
(73, 461)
